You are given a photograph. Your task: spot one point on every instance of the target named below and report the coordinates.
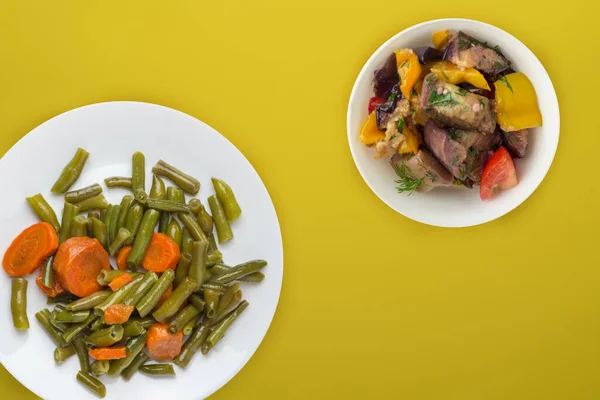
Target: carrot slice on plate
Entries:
(54, 291)
(161, 344)
(120, 281)
(29, 249)
(108, 353)
(122, 258)
(162, 254)
(117, 314)
(77, 264)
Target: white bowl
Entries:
(455, 206)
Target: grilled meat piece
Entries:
(516, 142)
(423, 166)
(466, 51)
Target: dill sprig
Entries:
(407, 182)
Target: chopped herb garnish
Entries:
(472, 151)
(432, 177)
(456, 134)
(445, 76)
(439, 100)
(499, 65)
(481, 102)
(463, 43)
(414, 93)
(455, 161)
(406, 62)
(505, 81)
(394, 136)
(407, 182)
(400, 124)
(392, 97)
(429, 81)
(463, 170)
(461, 92)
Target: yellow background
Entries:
(373, 305)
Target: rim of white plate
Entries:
(552, 119)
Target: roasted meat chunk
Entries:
(466, 51)
(421, 170)
(516, 142)
(463, 153)
(454, 106)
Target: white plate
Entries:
(111, 132)
(457, 207)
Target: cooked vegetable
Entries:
(374, 103)
(186, 241)
(42, 209)
(191, 324)
(92, 383)
(134, 366)
(82, 355)
(197, 268)
(161, 344)
(134, 220)
(105, 337)
(74, 329)
(174, 232)
(43, 318)
(193, 227)
(467, 52)
(29, 249)
(186, 182)
(205, 221)
(219, 330)
(99, 232)
(143, 238)
(141, 289)
(428, 54)
(78, 195)
(241, 270)
(192, 345)
(117, 314)
(183, 267)
(79, 226)
(158, 190)
(71, 172)
(119, 241)
(227, 198)
(440, 39)
(77, 263)
(92, 203)
(450, 73)
(18, 303)
(122, 258)
(105, 277)
(120, 281)
(224, 232)
(174, 302)
(70, 317)
(138, 177)
(167, 205)
(499, 174)
(158, 369)
(162, 254)
(384, 112)
(125, 206)
(134, 346)
(517, 103)
(99, 368)
(409, 70)
(212, 302)
(63, 353)
(47, 273)
(120, 295)
(147, 303)
(112, 225)
(132, 328)
(108, 353)
(386, 78)
(118, 181)
(89, 302)
(219, 269)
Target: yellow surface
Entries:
(373, 304)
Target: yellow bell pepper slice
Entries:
(450, 73)
(440, 39)
(369, 133)
(409, 70)
(517, 103)
(412, 141)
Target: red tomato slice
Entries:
(499, 173)
(374, 103)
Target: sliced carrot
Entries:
(120, 281)
(161, 344)
(54, 291)
(77, 264)
(122, 258)
(29, 249)
(162, 254)
(108, 353)
(165, 295)
(117, 314)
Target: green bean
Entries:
(82, 354)
(99, 231)
(142, 239)
(107, 214)
(112, 226)
(71, 317)
(102, 213)
(74, 329)
(69, 212)
(117, 296)
(132, 328)
(173, 303)
(184, 181)
(183, 268)
(89, 302)
(62, 298)
(118, 181)
(48, 273)
(119, 241)
(222, 312)
(134, 346)
(18, 303)
(205, 221)
(158, 369)
(227, 297)
(227, 199)
(219, 269)
(71, 172)
(144, 286)
(93, 214)
(134, 220)
(163, 222)
(134, 366)
(195, 205)
(182, 317)
(212, 302)
(63, 353)
(240, 271)
(219, 330)
(167, 205)
(75, 196)
(197, 302)
(106, 276)
(191, 324)
(174, 232)
(105, 337)
(146, 322)
(158, 191)
(138, 177)
(198, 266)
(42, 209)
(224, 232)
(92, 383)
(192, 345)
(176, 195)
(125, 205)
(98, 324)
(214, 286)
(99, 367)
(61, 326)
(186, 241)
(192, 226)
(79, 226)
(43, 317)
(149, 301)
(93, 203)
(212, 243)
